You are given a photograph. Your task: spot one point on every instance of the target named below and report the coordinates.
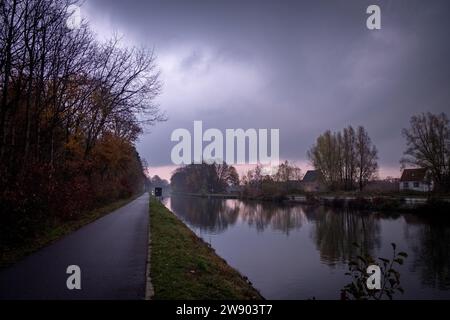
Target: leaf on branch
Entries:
(384, 260)
(362, 259)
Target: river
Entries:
(292, 251)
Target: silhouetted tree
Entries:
(71, 109)
(345, 159)
(204, 178)
(428, 146)
(366, 161)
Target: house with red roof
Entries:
(416, 180)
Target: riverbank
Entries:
(430, 205)
(433, 206)
(209, 195)
(185, 267)
(55, 230)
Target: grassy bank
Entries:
(54, 230)
(185, 267)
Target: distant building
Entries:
(313, 181)
(416, 180)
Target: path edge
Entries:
(149, 290)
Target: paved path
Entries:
(111, 252)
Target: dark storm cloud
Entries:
(301, 66)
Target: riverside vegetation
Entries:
(71, 109)
(185, 267)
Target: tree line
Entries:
(204, 178)
(348, 159)
(156, 182)
(258, 183)
(71, 109)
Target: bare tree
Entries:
(325, 156)
(345, 159)
(71, 109)
(428, 146)
(366, 157)
(349, 156)
(287, 171)
(56, 82)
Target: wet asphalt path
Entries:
(111, 253)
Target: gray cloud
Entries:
(301, 66)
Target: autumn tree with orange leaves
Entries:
(71, 109)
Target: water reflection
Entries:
(205, 215)
(336, 231)
(212, 215)
(431, 246)
(300, 246)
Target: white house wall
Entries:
(421, 188)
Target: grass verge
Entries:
(55, 230)
(185, 267)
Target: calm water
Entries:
(300, 252)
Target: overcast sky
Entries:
(300, 66)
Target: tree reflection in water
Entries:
(430, 243)
(328, 232)
(215, 215)
(279, 217)
(337, 229)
